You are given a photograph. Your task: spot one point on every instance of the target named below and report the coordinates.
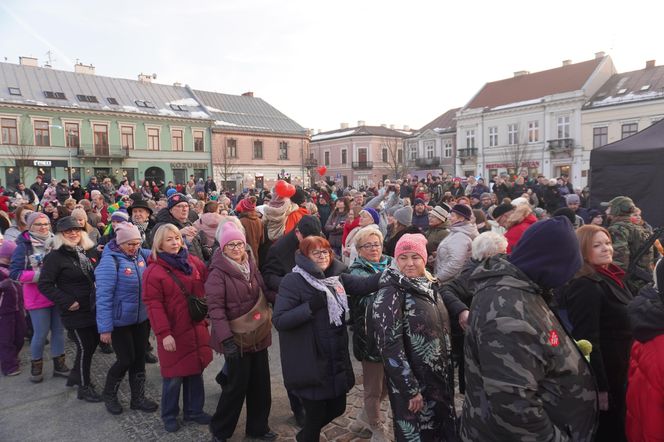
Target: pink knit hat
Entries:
(126, 232)
(412, 243)
(230, 233)
(34, 216)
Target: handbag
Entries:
(197, 307)
(250, 329)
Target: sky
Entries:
(324, 63)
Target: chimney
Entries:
(319, 131)
(81, 68)
(177, 84)
(383, 125)
(520, 73)
(599, 55)
(650, 64)
(361, 123)
(406, 127)
(28, 61)
(567, 62)
(344, 125)
(248, 94)
(392, 126)
(145, 78)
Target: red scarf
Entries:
(613, 272)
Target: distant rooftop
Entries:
(628, 87)
(444, 123)
(379, 131)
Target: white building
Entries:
(431, 149)
(530, 122)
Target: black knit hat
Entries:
(309, 226)
(463, 211)
(501, 210)
(67, 223)
(299, 197)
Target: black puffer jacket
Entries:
(280, 260)
(64, 281)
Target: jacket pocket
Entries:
(118, 311)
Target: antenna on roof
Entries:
(49, 59)
(154, 76)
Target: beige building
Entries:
(432, 148)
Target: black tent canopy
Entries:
(633, 167)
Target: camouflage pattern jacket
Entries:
(525, 378)
(627, 239)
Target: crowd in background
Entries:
(546, 314)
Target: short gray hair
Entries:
(365, 232)
(487, 245)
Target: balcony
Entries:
(561, 144)
(102, 152)
(467, 153)
(428, 162)
(310, 163)
(362, 165)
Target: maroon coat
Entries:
(169, 315)
(230, 295)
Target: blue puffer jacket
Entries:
(119, 288)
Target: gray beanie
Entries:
(404, 215)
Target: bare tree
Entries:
(228, 164)
(23, 152)
(395, 158)
(517, 153)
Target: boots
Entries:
(60, 367)
(110, 394)
(36, 374)
(74, 377)
(88, 393)
(138, 399)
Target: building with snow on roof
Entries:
(432, 148)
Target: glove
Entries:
(316, 303)
(231, 350)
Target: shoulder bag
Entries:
(197, 307)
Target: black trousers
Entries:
(318, 414)
(129, 344)
(86, 340)
(248, 378)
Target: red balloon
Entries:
(322, 170)
(280, 188)
(290, 190)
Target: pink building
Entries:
(360, 156)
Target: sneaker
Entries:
(89, 394)
(270, 435)
(14, 372)
(361, 423)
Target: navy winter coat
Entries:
(119, 288)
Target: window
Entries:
(563, 127)
(177, 107)
(400, 156)
(199, 141)
(87, 98)
(385, 155)
(283, 150)
(412, 151)
(55, 95)
(533, 131)
(9, 131)
(100, 139)
(258, 150)
(470, 139)
(447, 148)
(512, 134)
(629, 129)
(600, 136)
(153, 138)
(127, 137)
(429, 148)
(144, 103)
(493, 136)
(177, 144)
(14, 91)
(326, 157)
(42, 135)
(112, 100)
(72, 135)
(180, 176)
(231, 148)
(344, 156)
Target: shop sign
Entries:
(189, 165)
(508, 165)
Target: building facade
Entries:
(531, 122)
(359, 156)
(432, 148)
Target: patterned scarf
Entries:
(179, 260)
(242, 267)
(142, 227)
(337, 302)
(276, 213)
(421, 284)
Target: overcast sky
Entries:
(323, 63)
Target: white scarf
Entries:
(337, 302)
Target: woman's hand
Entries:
(105, 338)
(169, 343)
(75, 306)
(463, 319)
(603, 400)
(416, 404)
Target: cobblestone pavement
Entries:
(60, 416)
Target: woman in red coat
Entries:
(233, 288)
(182, 344)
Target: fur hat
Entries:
(404, 215)
(126, 232)
(412, 243)
(462, 210)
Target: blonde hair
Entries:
(159, 236)
(365, 232)
(59, 240)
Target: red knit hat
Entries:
(412, 243)
(246, 205)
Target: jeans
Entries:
(193, 397)
(43, 320)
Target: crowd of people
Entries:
(546, 314)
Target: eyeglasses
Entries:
(235, 245)
(133, 244)
(72, 232)
(373, 245)
(319, 253)
(41, 224)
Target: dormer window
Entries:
(87, 98)
(14, 91)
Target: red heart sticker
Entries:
(257, 316)
(127, 271)
(553, 338)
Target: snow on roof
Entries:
(518, 104)
(223, 123)
(184, 102)
(632, 96)
(321, 137)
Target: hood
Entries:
(497, 269)
(548, 253)
(335, 269)
(646, 315)
(466, 228)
